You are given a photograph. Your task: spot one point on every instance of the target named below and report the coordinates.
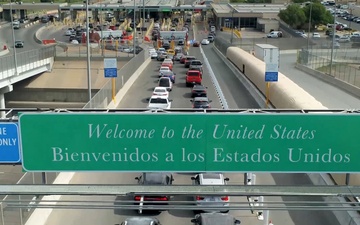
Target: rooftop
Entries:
(248, 8)
(37, 6)
(152, 3)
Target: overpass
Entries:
(27, 64)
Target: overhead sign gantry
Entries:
(190, 142)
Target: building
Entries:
(259, 16)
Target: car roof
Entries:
(140, 220)
(164, 88)
(217, 218)
(199, 87)
(155, 178)
(201, 99)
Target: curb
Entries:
(36, 35)
(4, 52)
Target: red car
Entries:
(193, 77)
(183, 58)
(196, 44)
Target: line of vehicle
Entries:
(214, 81)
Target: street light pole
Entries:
(332, 45)
(13, 38)
(88, 52)
(134, 30)
(143, 22)
(232, 26)
(309, 28)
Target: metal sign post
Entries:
(110, 71)
(271, 59)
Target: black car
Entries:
(153, 179)
(19, 44)
(198, 91)
(166, 45)
(215, 219)
(201, 103)
(211, 38)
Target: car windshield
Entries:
(202, 104)
(198, 63)
(164, 68)
(164, 83)
(158, 101)
(160, 90)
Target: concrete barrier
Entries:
(4, 52)
(37, 35)
(284, 94)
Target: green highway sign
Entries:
(190, 142)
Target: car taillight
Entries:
(137, 198)
(225, 198)
(162, 199)
(198, 198)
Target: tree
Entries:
(293, 15)
(319, 14)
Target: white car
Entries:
(159, 102)
(344, 39)
(153, 55)
(69, 32)
(160, 91)
(164, 69)
(161, 50)
(316, 35)
(168, 61)
(211, 179)
(74, 42)
(205, 42)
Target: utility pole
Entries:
(332, 44)
(232, 26)
(88, 52)
(309, 28)
(13, 38)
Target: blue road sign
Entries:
(110, 67)
(9, 143)
(110, 72)
(271, 76)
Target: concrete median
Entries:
(4, 52)
(38, 34)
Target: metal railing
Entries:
(10, 215)
(24, 58)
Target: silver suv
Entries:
(195, 65)
(213, 201)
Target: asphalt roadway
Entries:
(22, 34)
